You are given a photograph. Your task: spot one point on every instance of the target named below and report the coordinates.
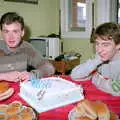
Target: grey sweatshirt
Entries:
(23, 57)
(103, 76)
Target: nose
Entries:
(11, 35)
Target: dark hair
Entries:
(10, 17)
(108, 31)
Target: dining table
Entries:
(61, 113)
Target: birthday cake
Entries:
(57, 92)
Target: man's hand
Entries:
(116, 86)
(10, 76)
(15, 76)
(24, 76)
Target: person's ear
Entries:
(118, 47)
(23, 32)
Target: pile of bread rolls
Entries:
(16, 111)
(93, 110)
(5, 90)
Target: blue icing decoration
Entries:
(37, 83)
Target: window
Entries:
(115, 10)
(118, 10)
(79, 16)
(76, 18)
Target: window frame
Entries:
(64, 21)
(95, 16)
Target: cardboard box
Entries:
(65, 65)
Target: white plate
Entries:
(6, 94)
(72, 115)
(33, 112)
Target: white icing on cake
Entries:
(59, 92)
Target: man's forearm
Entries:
(2, 76)
(85, 69)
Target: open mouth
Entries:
(11, 42)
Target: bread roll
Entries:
(27, 114)
(83, 118)
(14, 117)
(88, 109)
(2, 116)
(14, 108)
(4, 86)
(3, 108)
(114, 116)
(102, 110)
(79, 110)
